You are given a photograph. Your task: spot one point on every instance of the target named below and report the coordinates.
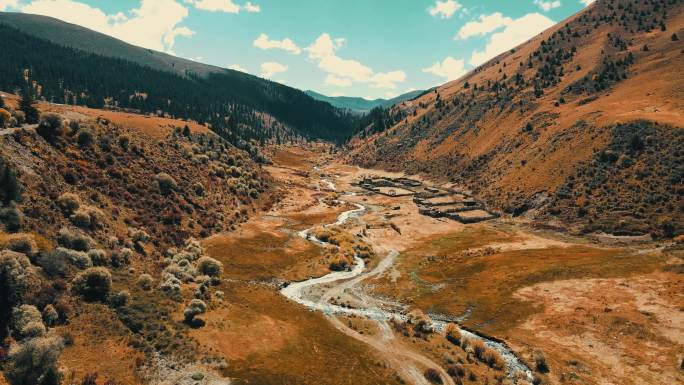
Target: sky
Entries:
(367, 48)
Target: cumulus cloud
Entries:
(271, 68)
(485, 25)
(227, 6)
(237, 67)
(444, 9)
(286, 44)
(251, 8)
(154, 25)
(323, 51)
(547, 5)
(7, 4)
(215, 5)
(449, 68)
(516, 31)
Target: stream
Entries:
(303, 293)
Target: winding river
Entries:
(305, 293)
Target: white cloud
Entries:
(587, 2)
(271, 68)
(7, 4)
(391, 95)
(449, 68)
(547, 5)
(516, 32)
(333, 80)
(215, 5)
(237, 67)
(486, 24)
(345, 71)
(153, 25)
(444, 9)
(227, 6)
(251, 8)
(286, 44)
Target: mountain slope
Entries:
(361, 105)
(233, 103)
(74, 36)
(581, 125)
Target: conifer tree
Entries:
(27, 104)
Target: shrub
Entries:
(5, 118)
(93, 284)
(453, 334)
(139, 235)
(209, 266)
(166, 183)
(10, 187)
(23, 243)
(456, 371)
(85, 137)
(433, 376)
(19, 117)
(195, 308)
(198, 188)
(50, 315)
(145, 281)
(74, 239)
(12, 217)
(28, 322)
(120, 299)
(15, 278)
(81, 218)
(27, 106)
(50, 126)
(479, 349)
(34, 361)
(122, 257)
(124, 142)
(98, 257)
(540, 362)
(77, 258)
(493, 359)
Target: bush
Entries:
(166, 183)
(34, 361)
(28, 322)
(209, 266)
(19, 117)
(50, 315)
(5, 118)
(85, 137)
(50, 126)
(122, 257)
(124, 142)
(77, 258)
(81, 218)
(120, 299)
(195, 308)
(93, 284)
(74, 240)
(69, 202)
(453, 335)
(145, 281)
(540, 362)
(23, 243)
(139, 235)
(12, 217)
(98, 257)
(15, 281)
(433, 376)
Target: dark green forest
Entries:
(229, 101)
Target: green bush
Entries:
(34, 361)
(74, 239)
(85, 137)
(94, 284)
(209, 266)
(195, 308)
(27, 322)
(50, 126)
(15, 281)
(166, 183)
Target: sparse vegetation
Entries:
(195, 308)
(94, 284)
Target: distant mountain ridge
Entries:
(362, 105)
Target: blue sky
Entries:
(368, 48)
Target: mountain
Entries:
(361, 105)
(71, 64)
(580, 126)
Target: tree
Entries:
(15, 271)
(2, 102)
(10, 189)
(27, 104)
(674, 37)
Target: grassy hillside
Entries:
(547, 126)
(235, 104)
